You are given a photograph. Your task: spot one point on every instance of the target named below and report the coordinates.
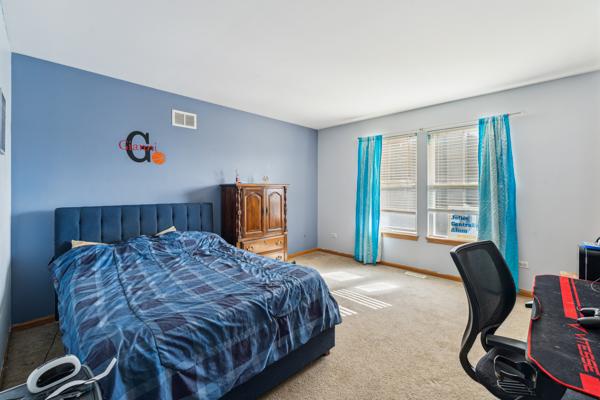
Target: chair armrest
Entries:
(504, 343)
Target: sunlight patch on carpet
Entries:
(415, 274)
(341, 276)
(361, 299)
(346, 312)
(377, 287)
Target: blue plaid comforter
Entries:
(187, 315)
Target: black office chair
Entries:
(491, 293)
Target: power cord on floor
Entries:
(51, 345)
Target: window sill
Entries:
(446, 241)
(400, 235)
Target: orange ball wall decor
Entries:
(158, 157)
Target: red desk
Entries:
(566, 352)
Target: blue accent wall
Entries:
(5, 187)
(67, 124)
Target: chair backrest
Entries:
(490, 291)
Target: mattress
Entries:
(186, 314)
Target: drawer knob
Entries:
(251, 248)
(279, 257)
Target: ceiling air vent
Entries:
(184, 119)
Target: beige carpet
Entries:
(406, 351)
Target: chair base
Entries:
(545, 388)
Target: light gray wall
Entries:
(557, 159)
(5, 188)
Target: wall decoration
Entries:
(462, 227)
(3, 124)
(144, 152)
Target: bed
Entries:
(187, 315)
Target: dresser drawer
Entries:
(277, 255)
(264, 245)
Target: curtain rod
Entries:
(438, 128)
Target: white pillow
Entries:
(80, 243)
(171, 229)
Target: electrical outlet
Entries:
(523, 264)
(333, 235)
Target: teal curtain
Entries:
(497, 192)
(366, 239)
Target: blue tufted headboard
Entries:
(111, 224)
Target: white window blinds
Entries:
(399, 183)
(453, 193)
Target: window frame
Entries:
(395, 232)
(431, 236)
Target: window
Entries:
(452, 184)
(399, 184)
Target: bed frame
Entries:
(110, 224)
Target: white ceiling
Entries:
(317, 63)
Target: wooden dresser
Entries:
(254, 218)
